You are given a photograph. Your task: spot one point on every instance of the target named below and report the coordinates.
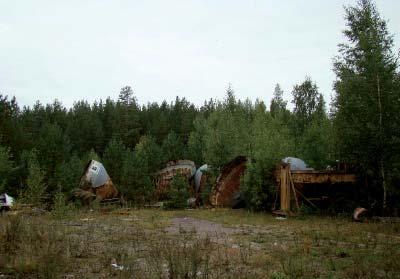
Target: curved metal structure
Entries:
(227, 187)
(186, 168)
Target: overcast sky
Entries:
(73, 50)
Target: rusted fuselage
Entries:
(227, 186)
(186, 168)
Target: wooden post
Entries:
(285, 188)
(293, 189)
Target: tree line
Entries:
(44, 148)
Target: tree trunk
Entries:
(382, 169)
(381, 164)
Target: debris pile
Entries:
(95, 184)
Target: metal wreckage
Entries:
(96, 185)
(296, 184)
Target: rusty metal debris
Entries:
(227, 186)
(293, 184)
(185, 168)
(95, 184)
(358, 214)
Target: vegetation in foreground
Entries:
(215, 243)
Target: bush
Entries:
(33, 248)
(60, 208)
(258, 186)
(36, 188)
(178, 193)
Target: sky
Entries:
(89, 49)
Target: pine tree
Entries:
(270, 141)
(172, 147)
(139, 170)
(196, 143)
(69, 173)
(113, 159)
(308, 106)
(127, 127)
(6, 166)
(36, 188)
(366, 104)
(278, 105)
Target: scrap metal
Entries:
(95, 184)
(185, 168)
(227, 186)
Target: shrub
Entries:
(32, 247)
(60, 208)
(258, 186)
(178, 193)
(36, 188)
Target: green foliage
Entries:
(113, 159)
(6, 166)
(366, 103)
(33, 248)
(53, 149)
(10, 128)
(149, 155)
(271, 141)
(178, 193)
(316, 144)
(135, 141)
(91, 155)
(278, 105)
(172, 147)
(227, 132)
(35, 192)
(53, 146)
(139, 170)
(85, 129)
(68, 173)
(60, 208)
(270, 138)
(309, 106)
(196, 143)
(127, 113)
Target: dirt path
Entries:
(200, 227)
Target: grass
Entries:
(84, 244)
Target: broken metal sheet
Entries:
(296, 163)
(6, 201)
(186, 166)
(359, 213)
(227, 185)
(198, 175)
(96, 175)
(95, 184)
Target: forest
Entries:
(44, 148)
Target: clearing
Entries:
(202, 243)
